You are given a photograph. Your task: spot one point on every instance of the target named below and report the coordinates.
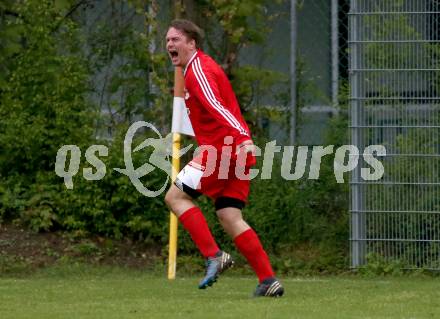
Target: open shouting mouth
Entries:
(173, 55)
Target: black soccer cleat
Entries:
(214, 267)
(270, 287)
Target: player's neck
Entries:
(192, 55)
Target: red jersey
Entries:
(213, 108)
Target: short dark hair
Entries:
(190, 29)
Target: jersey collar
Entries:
(189, 62)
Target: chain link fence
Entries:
(394, 80)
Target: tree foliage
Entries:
(42, 102)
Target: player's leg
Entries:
(180, 197)
(180, 201)
(228, 208)
(228, 211)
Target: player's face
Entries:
(179, 47)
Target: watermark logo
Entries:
(159, 158)
(346, 159)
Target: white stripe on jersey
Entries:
(189, 63)
(207, 91)
(210, 97)
(221, 107)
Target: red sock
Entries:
(249, 245)
(195, 223)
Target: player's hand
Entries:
(245, 154)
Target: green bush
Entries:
(378, 266)
(43, 105)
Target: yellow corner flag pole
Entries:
(172, 255)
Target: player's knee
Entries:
(175, 199)
(229, 210)
(227, 220)
(168, 199)
(171, 198)
(233, 224)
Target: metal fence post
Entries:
(357, 220)
(293, 40)
(335, 52)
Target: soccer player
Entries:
(219, 172)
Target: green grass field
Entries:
(87, 292)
